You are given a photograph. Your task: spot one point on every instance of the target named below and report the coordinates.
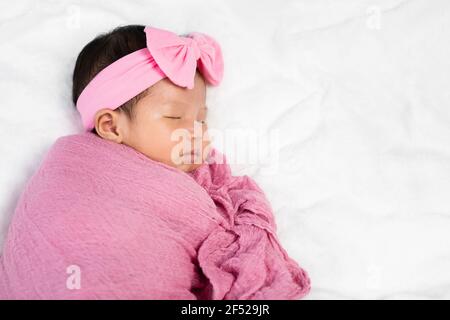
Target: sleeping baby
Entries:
(140, 205)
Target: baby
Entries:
(125, 210)
(147, 121)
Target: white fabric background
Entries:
(358, 91)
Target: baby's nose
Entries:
(196, 130)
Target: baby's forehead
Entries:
(182, 105)
(168, 94)
(167, 89)
(173, 103)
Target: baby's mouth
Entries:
(191, 152)
(192, 156)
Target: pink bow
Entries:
(179, 56)
(166, 55)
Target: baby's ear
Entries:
(107, 124)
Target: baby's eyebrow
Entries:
(179, 109)
(179, 104)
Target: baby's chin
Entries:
(189, 167)
(189, 164)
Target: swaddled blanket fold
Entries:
(99, 220)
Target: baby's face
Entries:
(164, 122)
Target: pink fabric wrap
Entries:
(139, 229)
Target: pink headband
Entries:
(166, 55)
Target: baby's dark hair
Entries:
(103, 51)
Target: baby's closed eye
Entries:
(172, 117)
(203, 120)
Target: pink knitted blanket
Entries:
(99, 220)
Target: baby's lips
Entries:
(196, 151)
(192, 152)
